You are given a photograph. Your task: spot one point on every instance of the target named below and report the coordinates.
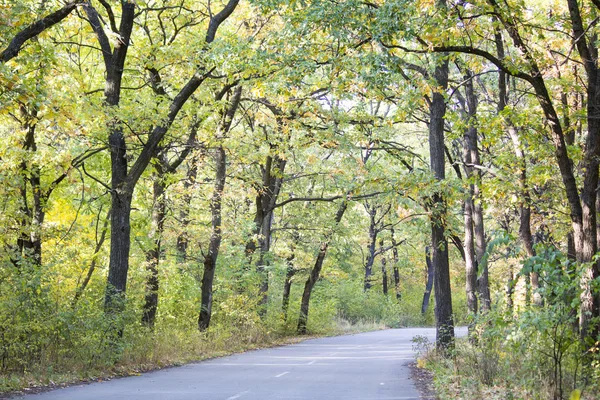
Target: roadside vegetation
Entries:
(181, 179)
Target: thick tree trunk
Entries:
(120, 239)
(469, 242)
(154, 254)
(582, 205)
(210, 260)
(316, 270)
(476, 206)
(443, 294)
(265, 202)
(29, 242)
(121, 193)
(429, 283)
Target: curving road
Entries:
(366, 366)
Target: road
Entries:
(366, 366)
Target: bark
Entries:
(287, 285)
(476, 205)
(429, 282)
(373, 231)
(316, 270)
(154, 254)
(29, 243)
(524, 192)
(469, 242)
(470, 262)
(582, 205)
(266, 198)
(123, 181)
(396, 271)
(443, 294)
(31, 31)
(184, 213)
(159, 212)
(210, 259)
(510, 289)
(384, 276)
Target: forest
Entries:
(181, 179)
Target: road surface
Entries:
(366, 366)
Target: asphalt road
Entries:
(366, 366)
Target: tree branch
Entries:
(35, 29)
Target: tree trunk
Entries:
(184, 214)
(29, 242)
(121, 194)
(120, 240)
(371, 249)
(384, 277)
(429, 282)
(469, 242)
(524, 193)
(265, 202)
(210, 260)
(316, 270)
(287, 285)
(471, 141)
(396, 271)
(153, 255)
(470, 262)
(443, 294)
(510, 289)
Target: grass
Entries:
(146, 351)
(481, 372)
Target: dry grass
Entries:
(148, 351)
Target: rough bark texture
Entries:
(210, 259)
(470, 262)
(476, 204)
(287, 285)
(266, 198)
(31, 31)
(154, 254)
(429, 282)
(395, 259)
(384, 275)
(469, 242)
(316, 270)
(510, 289)
(372, 211)
(124, 180)
(443, 295)
(524, 193)
(33, 198)
(184, 214)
